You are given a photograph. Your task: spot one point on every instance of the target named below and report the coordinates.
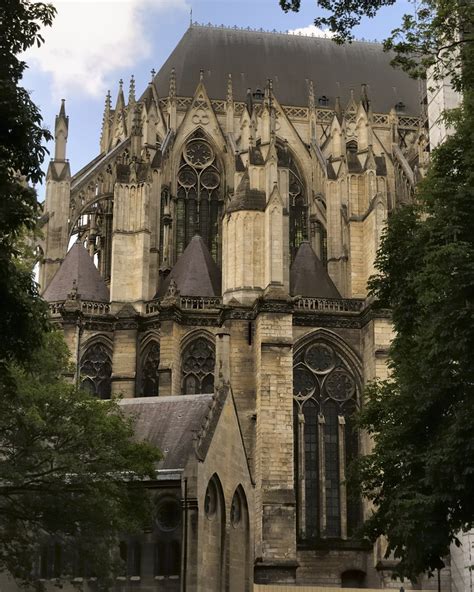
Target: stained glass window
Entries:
(198, 367)
(297, 201)
(198, 200)
(96, 371)
(325, 394)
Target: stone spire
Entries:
(311, 102)
(60, 133)
(230, 94)
(172, 90)
(131, 92)
(105, 136)
(120, 97)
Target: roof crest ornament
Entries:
(287, 32)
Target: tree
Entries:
(23, 319)
(70, 470)
(419, 475)
(431, 37)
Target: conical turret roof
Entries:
(77, 272)
(308, 276)
(195, 272)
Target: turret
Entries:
(58, 186)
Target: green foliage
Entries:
(430, 37)
(68, 465)
(420, 473)
(22, 153)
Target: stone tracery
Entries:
(325, 395)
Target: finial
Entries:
(191, 16)
(121, 84)
(131, 92)
(230, 94)
(201, 75)
(153, 72)
(172, 90)
(62, 109)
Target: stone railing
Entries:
(88, 307)
(330, 304)
(199, 303)
(188, 303)
(95, 308)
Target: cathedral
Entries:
(210, 266)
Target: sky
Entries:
(95, 43)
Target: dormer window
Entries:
(323, 101)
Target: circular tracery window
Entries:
(198, 153)
(320, 358)
(168, 514)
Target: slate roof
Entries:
(246, 198)
(77, 267)
(195, 272)
(251, 57)
(170, 423)
(308, 276)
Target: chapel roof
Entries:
(246, 198)
(291, 61)
(77, 273)
(308, 276)
(195, 272)
(169, 423)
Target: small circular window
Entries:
(236, 510)
(168, 514)
(210, 501)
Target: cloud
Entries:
(91, 39)
(312, 31)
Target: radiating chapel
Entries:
(222, 240)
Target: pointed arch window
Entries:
(198, 367)
(150, 377)
(297, 200)
(325, 395)
(96, 371)
(198, 200)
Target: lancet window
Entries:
(96, 371)
(150, 377)
(198, 200)
(198, 367)
(297, 201)
(325, 395)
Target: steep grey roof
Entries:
(170, 423)
(77, 271)
(308, 276)
(246, 198)
(195, 272)
(251, 57)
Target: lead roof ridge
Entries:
(286, 33)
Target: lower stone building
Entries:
(222, 241)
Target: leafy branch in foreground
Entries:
(68, 465)
(420, 473)
(431, 37)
